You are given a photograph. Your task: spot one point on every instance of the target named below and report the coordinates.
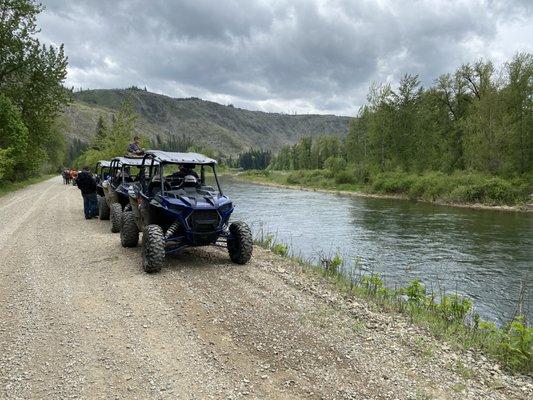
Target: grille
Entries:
(204, 220)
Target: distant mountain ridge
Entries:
(227, 129)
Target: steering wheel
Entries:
(176, 181)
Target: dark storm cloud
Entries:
(275, 55)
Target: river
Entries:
(482, 254)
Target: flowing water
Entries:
(484, 255)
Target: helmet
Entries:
(189, 180)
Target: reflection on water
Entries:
(482, 254)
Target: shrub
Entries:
(371, 284)
(362, 173)
(512, 344)
(464, 194)
(293, 179)
(416, 292)
(518, 344)
(497, 191)
(280, 249)
(454, 307)
(335, 164)
(430, 186)
(337, 261)
(331, 265)
(343, 177)
(392, 182)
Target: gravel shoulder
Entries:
(80, 319)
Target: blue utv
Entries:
(175, 208)
(124, 174)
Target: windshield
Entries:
(126, 174)
(104, 173)
(184, 177)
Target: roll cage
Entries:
(154, 162)
(100, 169)
(121, 164)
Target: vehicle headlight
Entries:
(225, 208)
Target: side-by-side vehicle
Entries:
(179, 203)
(124, 174)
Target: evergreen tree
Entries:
(100, 133)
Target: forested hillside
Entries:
(163, 121)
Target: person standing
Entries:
(66, 176)
(87, 186)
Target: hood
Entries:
(197, 200)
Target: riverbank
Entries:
(8, 187)
(447, 316)
(431, 188)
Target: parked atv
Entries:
(174, 208)
(102, 173)
(116, 188)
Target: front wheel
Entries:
(240, 243)
(116, 217)
(153, 248)
(129, 234)
(103, 209)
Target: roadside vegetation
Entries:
(446, 315)
(31, 96)
(8, 187)
(456, 188)
(466, 139)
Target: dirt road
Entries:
(80, 319)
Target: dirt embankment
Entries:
(79, 319)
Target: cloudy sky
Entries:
(305, 56)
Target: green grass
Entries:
(448, 317)
(456, 188)
(8, 187)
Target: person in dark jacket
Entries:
(87, 186)
(134, 149)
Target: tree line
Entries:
(251, 159)
(31, 95)
(476, 119)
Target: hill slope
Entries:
(225, 128)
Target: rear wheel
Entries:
(129, 234)
(103, 209)
(240, 243)
(116, 217)
(153, 248)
